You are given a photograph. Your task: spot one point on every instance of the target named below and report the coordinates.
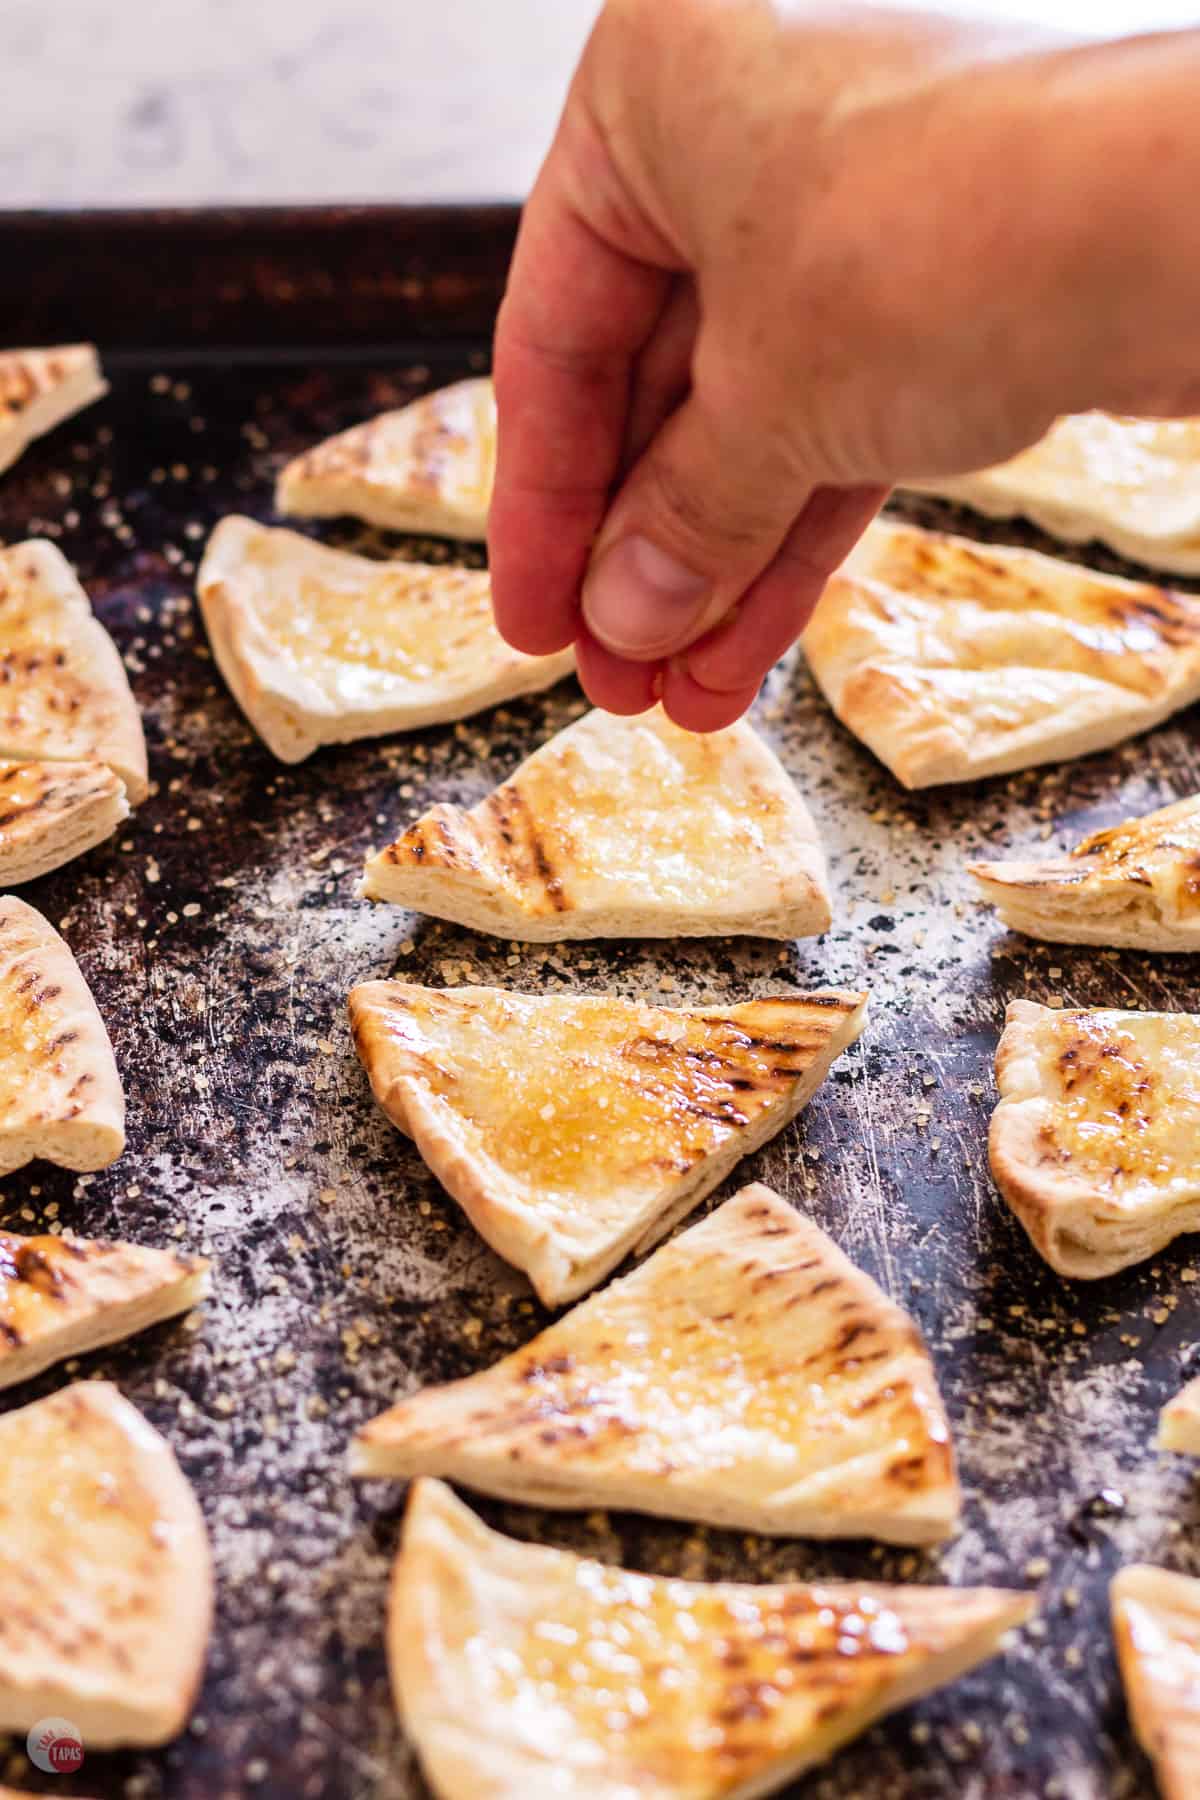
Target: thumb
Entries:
(699, 517)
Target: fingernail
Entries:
(639, 601)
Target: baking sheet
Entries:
(220, 934)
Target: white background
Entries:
(145, 101)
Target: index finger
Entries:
(576, 313)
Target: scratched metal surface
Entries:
(220, 935)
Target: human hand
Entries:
(777, 259)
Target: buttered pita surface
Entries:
(953, 660)
(1156, 1625)
(621, 827)
(60, 1094)
(105, 1574)
(1093, 1143)
(322, 647)
(51, 812)
(1135, 885)
(1131, 483)
(41, 388)
(574, 1129)
(522, 1673)
(746, 1375)
(1179, 1421)
(64, 694)
(426, 467)
(62, 1296)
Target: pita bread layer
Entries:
(1134, 484)
(1156, 1625)
(1179, 1421)
(522, 1673)
(60, 1094)
(1135, 885)
(746, 1375)
(53, 812)
(106, 1586)
(64, 695)
(63, 1296)
(1093, 1142)
(321, 647)
(621, 827)
(427, 467)
(41, 388)
(572, 1130)
(953, 660)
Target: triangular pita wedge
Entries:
(1134, 885)
(60, 1094)
(522, 1673)
(53, 812)
(322, 647)
(952, 660)
(41, 388)
(63, 1296)
(574, 1129)
(621, 828)
(64, 694)
(105, 1574)
(1093, 1143)
(1179, 1421)
(746, 1375)
(1131, 483)
(1156, 1625)
(425, 467)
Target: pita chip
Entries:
(621, 827)
(502, 1657)
(106, 1582)
(1156, 1625)
(574, 1129)
(41, 388)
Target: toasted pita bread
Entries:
(427, 467)
(60, 1094)
(106, 1583)
(746, 1375)
(521, 1672)
(1179, 1421)
(1156, 1625)
(41, 388)
(1093, 1142)
(1134, 885)
(574, 1129)
(52, 812)
(621, 828)
(952, 660)
(321, 647)
(63, 1296)
(64, 696)
(1131, 483)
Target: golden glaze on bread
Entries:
(621, 827)
(426, 467)
(1093, 1142)
(41, 388)
(1156, 1625)
(321, 647)
(572, 1130)
(60, 1094)
(1134, 885)
(522, 1673)
(62, 1296)
(745, 1375)
(64, 695)
(1131, 483)
(105, 1574)
(953, 660)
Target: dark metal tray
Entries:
(220, 935)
